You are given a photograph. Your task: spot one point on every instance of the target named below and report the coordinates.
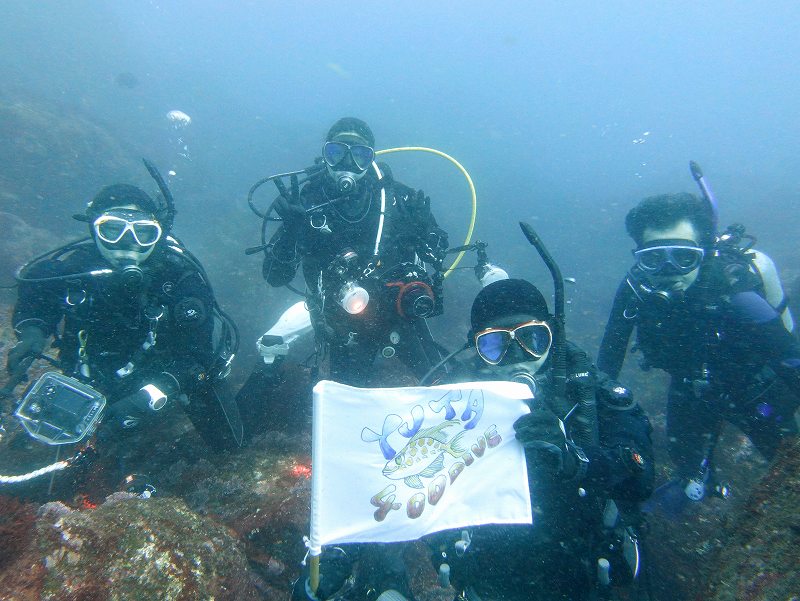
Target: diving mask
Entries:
(674, 257)
(534, 337)
(111, 227)
(126, 237)
(361, 155)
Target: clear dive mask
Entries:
(669, 257)
(126, 238)
(334, 153)
(347, 163)
(111, 227)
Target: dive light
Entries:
(353, 298)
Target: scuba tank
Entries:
(764, 268)
(735, 247)
(735, 243)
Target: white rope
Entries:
(59, 465)
(307, 543)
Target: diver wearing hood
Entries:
(701, 314)
(131, 312)
(572, 481)
(363, 240)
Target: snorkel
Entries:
(705, 190)
(584, 412)
(559, 331)
(166, 213)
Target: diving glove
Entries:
(129, 411)
(32, 341)
(543, 431)
(291, 211)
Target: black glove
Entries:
(291, 211)
(422, 202)
(435, 248)
(335, 567)
(542, 431)
(32, 341)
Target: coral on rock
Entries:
(130, 548)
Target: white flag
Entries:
(394, 464)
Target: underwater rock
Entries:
(138, 549)
(16, 529)
(760, 558)
(682, 549)
(261, 493)
(20, 243)
(54, 159)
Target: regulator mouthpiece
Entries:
(353, 298)
(132, 275)
(346, 183)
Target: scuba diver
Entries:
(363, 240)
(709, 311)
(134, 319)
(589, 457)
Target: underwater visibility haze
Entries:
(565, 115)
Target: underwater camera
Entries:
(414, 299)
(60, 410)
(413, 290)
(406, 286)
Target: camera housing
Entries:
(60, 410)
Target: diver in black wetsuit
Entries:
(132, 314)
(700, 314)
(363, 240)
(587, 453)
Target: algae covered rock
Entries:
(761, 558)
(139, 549)
(262, 494)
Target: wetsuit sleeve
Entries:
(281, 258)
(761, 327)
(40, 303)
(617, 334)
(189, 354)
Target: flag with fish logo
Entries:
(394, 464)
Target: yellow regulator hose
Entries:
(471, 188)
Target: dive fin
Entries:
(669, 499)
(216, 418)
